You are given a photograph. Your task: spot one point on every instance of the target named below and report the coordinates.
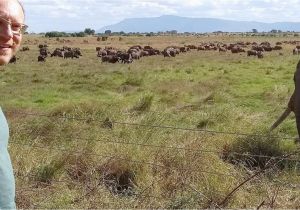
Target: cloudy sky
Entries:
(76, 15)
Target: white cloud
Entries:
(43, 15)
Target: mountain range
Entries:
(198, 25)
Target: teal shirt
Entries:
(7, 181)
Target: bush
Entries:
(256, 151)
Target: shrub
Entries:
(256, 151)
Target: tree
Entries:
(89, 31)
(274, 31)
(56, 34)
(78, 34)
(173, 31)
(107, 32)
(254, 30)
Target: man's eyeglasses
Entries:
(16, 28)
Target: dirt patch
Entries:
(118, 178)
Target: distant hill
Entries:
(200, 25)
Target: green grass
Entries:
(80, 163)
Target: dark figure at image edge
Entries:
(293, 104)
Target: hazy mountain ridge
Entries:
(200, 25)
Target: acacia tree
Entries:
(89, 31)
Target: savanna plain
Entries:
(189, 131)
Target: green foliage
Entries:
(89, 31)
(46, 173)
(64, 34)
(56, 34)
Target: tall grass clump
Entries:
(118, 176)
(45, 174)
(133, 81)
(257, 150)
(143, 104)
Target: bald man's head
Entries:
(22, 7)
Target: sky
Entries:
(76, 15)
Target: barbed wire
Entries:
(269, 164)
(123, 159)
(89, 119)
(217, 152)
(139, 193)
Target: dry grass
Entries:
(77, 157)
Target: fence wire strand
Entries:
(217, 152)
(89, 119)
(123, 159)
(269, 165)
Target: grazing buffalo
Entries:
(70, 54)
(151, 51)
(277, 47)
(13, 60)
(192, 47)
(42, 46)
(44, 51)
(252, 52)
(41, 58)
(25, 48)
(110, 58)
(58, 52)
(77, 52)
(222, 49)
(260, 54)
(133, 50)
(138, 47)
(183, 49)
(144, 53)
(136, 55)
(265, 43)
(111, 52)
(267, 48)
(200, 48)
(237, 49)
(125, 57)
(169, 52)
(148, 47)
(101, 53)
(257, 48)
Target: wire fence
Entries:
(138, 194)
(273, 160)
(218, 152)
(173, 168)
(112, 122)
(197, 151)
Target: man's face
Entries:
(12, 11)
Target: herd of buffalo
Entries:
(113, 55)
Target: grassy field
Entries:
(86, 134)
